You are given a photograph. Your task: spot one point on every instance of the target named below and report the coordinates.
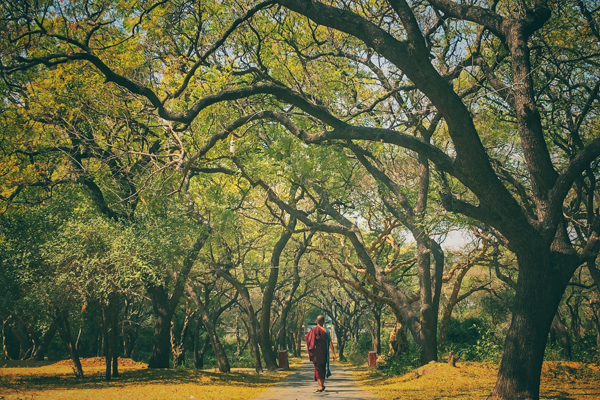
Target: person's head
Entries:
(321, 320)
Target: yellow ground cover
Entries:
(19, 380)
(560, 380)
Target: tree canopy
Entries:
(246, 147)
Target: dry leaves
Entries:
(472, 380)
(27, 380)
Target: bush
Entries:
(473, 340)
(487, 348)
(586, 349)
(357, 352)
(400, 364)
(553, 353)
(465, 332)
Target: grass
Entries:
(472, 380)
(43, 380)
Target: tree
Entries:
(527, 63)
(209, 313)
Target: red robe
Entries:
(316, 343)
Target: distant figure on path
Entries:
(318, 343)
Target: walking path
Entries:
(300, 385)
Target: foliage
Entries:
(114, 122)
(586, 348)
(398, 365)
(472, 339)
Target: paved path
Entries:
(300, 385)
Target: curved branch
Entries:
(569, 174)
(482, 16)
(241, 19)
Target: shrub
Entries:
(473, 340)
(586, 349)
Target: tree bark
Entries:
(540, 287)
(161, 346)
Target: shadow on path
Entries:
(300, 385)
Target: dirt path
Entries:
(300, 385)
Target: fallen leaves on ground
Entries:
(42, 380)
(560, 380)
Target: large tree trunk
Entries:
(540, 287)
(423, 330)
(430, 289)
(282, 336)
(161, 346)
(288, 302)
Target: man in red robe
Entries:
(318, 342)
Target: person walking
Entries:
(318, 342)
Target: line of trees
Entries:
(357, 127)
